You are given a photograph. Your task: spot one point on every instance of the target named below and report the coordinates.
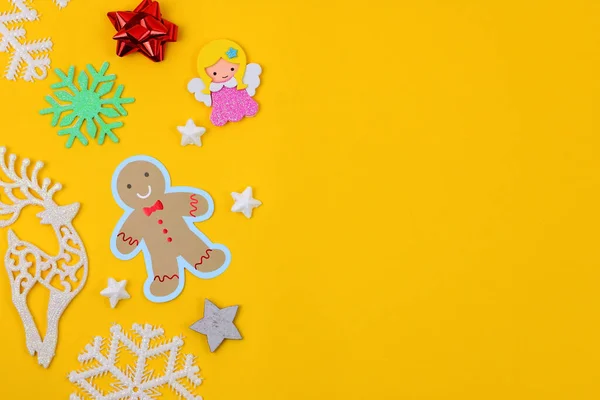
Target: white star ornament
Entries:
(244, 202)
(115, 291)
(190, 133)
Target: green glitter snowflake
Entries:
(84, 102)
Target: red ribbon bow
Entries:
(156, 207)
(144, 30)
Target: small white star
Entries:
(191, 133)
(244, 202)
(115, 291)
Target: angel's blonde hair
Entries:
(210, 55)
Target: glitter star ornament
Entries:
(115, 291)
(217, 324)
(244, 202)
(144, 30)
(190, 133)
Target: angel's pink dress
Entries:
(231, 104)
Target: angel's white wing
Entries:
(196, 86)
(252, 78)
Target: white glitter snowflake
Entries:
(28, 59)
(100, 357)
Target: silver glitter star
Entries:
(217, 324)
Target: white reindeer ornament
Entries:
(27, 265)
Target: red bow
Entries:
(143, 29)
(157, 206)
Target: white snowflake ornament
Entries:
(28, 59)
(99, 358)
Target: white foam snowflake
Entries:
(28, 59)
(181, 375)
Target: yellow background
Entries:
(429, 178)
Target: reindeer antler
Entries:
(28, 185)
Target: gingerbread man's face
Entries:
(140, 184)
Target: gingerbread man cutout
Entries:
(159, 222)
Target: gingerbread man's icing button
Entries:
(165, 231)
(160, 221)
(169, 239)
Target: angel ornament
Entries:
(63, 274)
(226, 83)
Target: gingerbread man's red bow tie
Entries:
(156, 207)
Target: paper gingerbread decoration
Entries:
(159, 222)
(227, 83)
